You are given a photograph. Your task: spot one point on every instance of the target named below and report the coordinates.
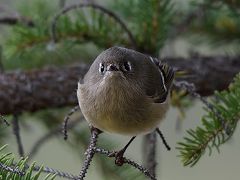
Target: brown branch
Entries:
(39, 89)
(208, 73)
(56, 87)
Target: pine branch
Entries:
(55, 172)
(73, 29)
(213, 132)
(96, 7)
(218, 23)
(145, 24)
(18, 171)
(34, 90)
(10, 169)
(22, 171)
(150, 22)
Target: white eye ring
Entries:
(101, 68)
(127, 66)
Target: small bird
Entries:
(125, 92)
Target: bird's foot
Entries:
(119, 159)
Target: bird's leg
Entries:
(163, 139)
(119, 160)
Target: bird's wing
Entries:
(81, 80)
(167, 76)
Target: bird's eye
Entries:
(127, 66)
(101, 68)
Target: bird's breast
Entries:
(119, 108)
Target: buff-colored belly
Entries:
(128, 122)
(129, 128)
(122, 115)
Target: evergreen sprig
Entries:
(94, 25)
(9, 170)
(213, 132)
(81, 26)
(150, 22)
(217, 23)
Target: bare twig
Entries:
(94, 6)
(55, 171)
(16, 132)
(66, 119)
(145, 171)
(89, 152)
(4, 120)
(39, 143)
(92, 149)
(48, 170)
(11, 169)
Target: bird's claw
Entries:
(119, 159)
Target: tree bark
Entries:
(208, 73)
(39, 89)
(56, 87)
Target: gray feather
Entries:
(167, 75)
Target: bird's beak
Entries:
(112, 67)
